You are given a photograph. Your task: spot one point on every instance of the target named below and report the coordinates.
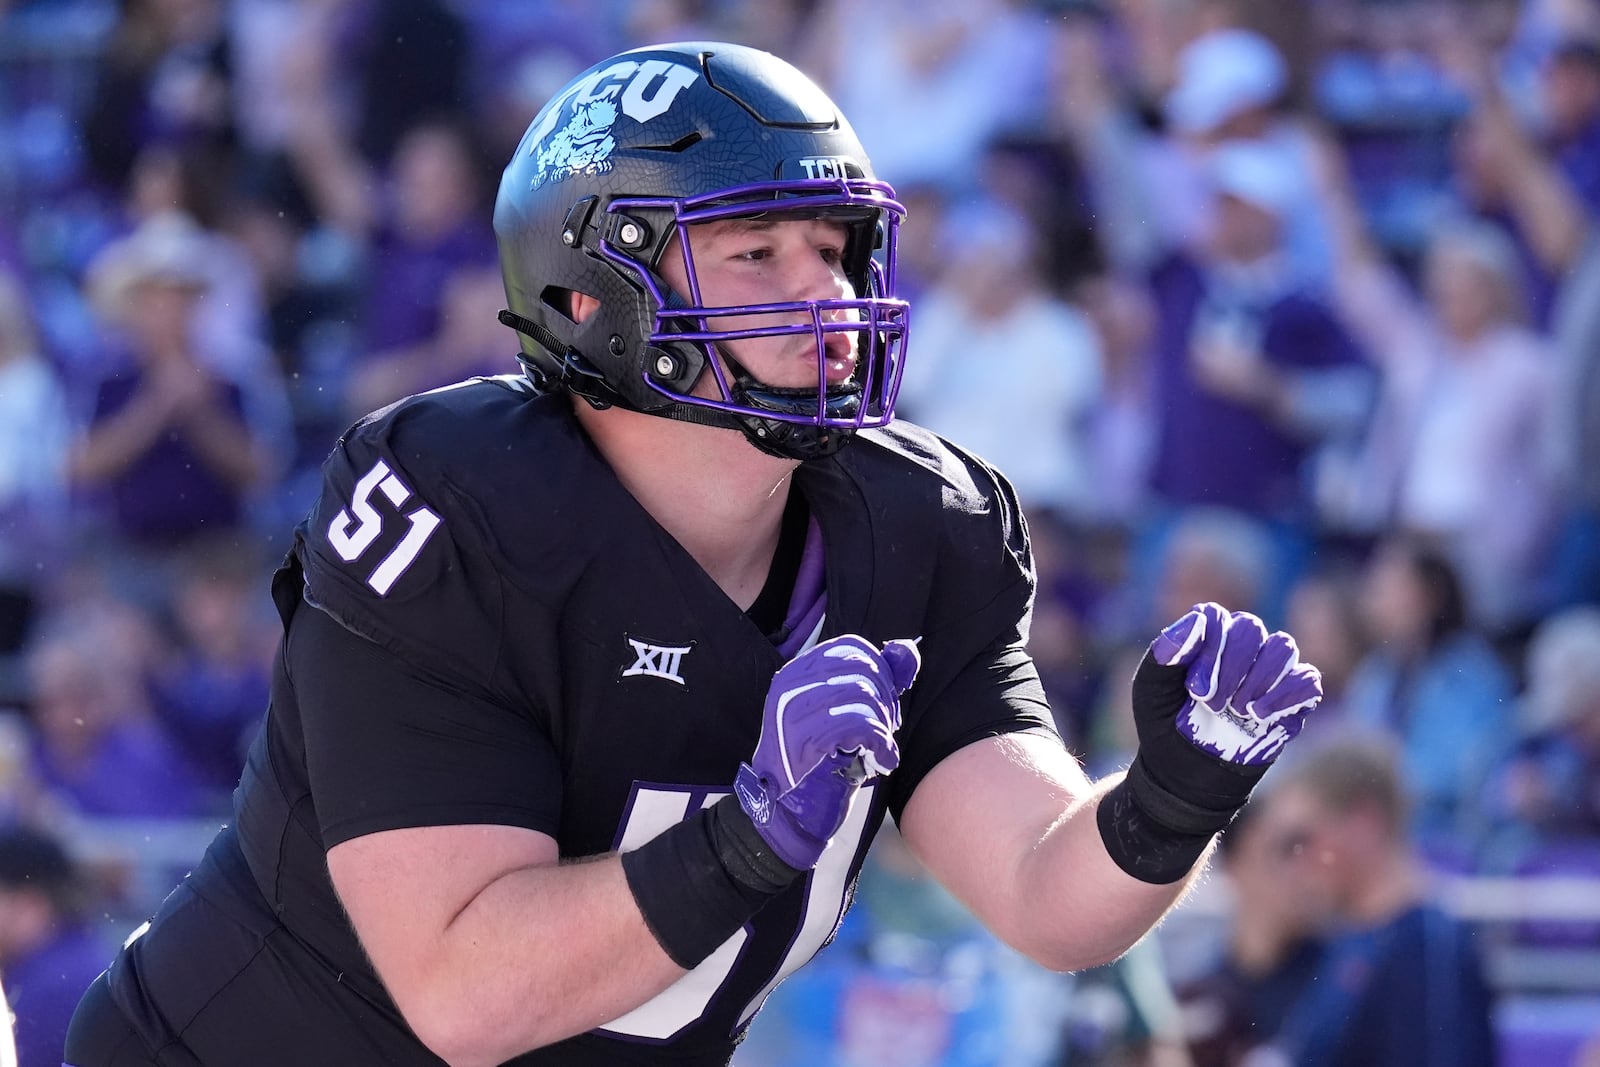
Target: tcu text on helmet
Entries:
(634, 80)
(830, 167)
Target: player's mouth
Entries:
(839, 357)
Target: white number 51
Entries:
(351, 535)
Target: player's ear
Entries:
(569, 302)
(583, 305)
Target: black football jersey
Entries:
(585, 678)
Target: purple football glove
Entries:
(1248, 692)
(829, 725)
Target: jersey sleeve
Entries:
(977, 678)
(391, 744)
(396, 553)
(996, 693)
(409, 715)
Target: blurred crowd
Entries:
(1292, 306)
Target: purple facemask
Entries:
(879, 318)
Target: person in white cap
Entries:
(1231, 87)
(169, 441)
(1229, 83)
(1253, 371)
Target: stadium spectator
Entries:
(1395, 119)
(1546, 791)
(1572, 574)
(48, 950)
(166, 77)
(346, 82)
(34, 432)
(1402, 984)
(1324, 605)
(468, 342)
(358, 80)
(994, 346)
(1213, 555)
(1091, 110)
(1120, 430)
(171, 180)
(1507, 177)
(1232, 86)
(1062, 639)
(1042, 179)
(1271, 950)
(433, 228)
(925, 251)
(97, 748)
(1436, 686)
(978, 65)
(1570, 109)
(209, 690)
(1460, 447)
(310, 295)
(1253, 373)
(169, 440)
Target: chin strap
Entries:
(572, 373)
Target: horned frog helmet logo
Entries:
(583, 145)
(639, 90)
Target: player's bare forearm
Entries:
(1008, 825)
(539, 953)
(1096, 911)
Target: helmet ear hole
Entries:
(570, 304)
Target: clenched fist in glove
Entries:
(828, 725)
(1215, 699)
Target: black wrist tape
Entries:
(1152, 834)
(701, 880)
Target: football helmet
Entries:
(632, 153)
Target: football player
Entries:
(598, 679)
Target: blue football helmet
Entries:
(634, 151)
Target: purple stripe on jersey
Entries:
(810, 597)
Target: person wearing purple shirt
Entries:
(1252, 371)
(96, 749)
(1253, 379)
(166, 493)
(1570, 94)
(167, 442)
(211, 691)
(47, 951)
(433, 230)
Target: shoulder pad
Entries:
(947, 522)
(939, 485)
(395, 547)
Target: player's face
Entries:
(765, 261)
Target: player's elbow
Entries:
(1069, 950)
(458, 1031)
(448, 1035)
(1070, 958)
